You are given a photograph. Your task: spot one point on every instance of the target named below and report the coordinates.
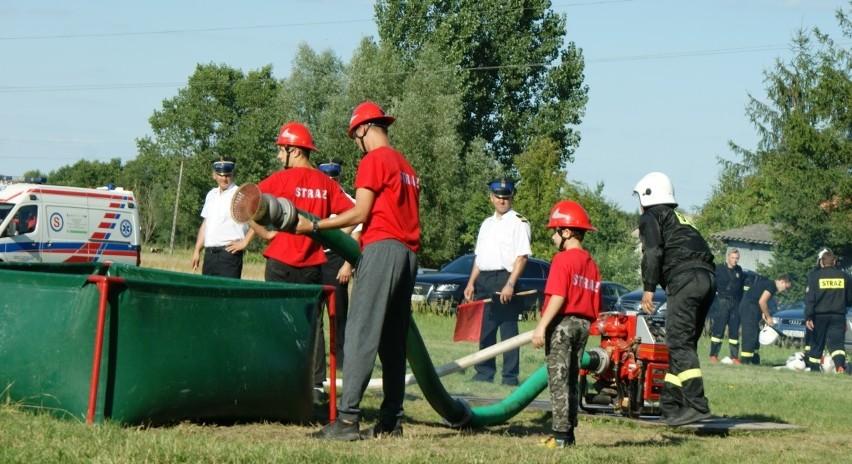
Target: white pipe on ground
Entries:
(491, 352)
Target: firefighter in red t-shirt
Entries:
(387, 203)
(297, 258)
(572, 300)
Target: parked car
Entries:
(630, 301)
(611, 292)
(446, 286)
(789, 322)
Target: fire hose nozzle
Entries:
(249, 203)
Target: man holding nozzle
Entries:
(298, 258)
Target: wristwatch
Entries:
(315, 229)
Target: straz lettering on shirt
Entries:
(831, 283)
(311, 193)
(584, 282)
(408, 179)
(683, 220)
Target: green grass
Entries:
(819, 403)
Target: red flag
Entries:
(469, 321)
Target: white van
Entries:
(53, 224)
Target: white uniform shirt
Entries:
(220, 229)
(501, 240)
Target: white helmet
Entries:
(796, 362)
(655, 189)
(767, 336)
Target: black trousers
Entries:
(497, 316)
(829, 331)
(689, 296)
(218, 262)
(276, 271)
(726, 315)
(341, 301)
(750, 317)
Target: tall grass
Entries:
(818, 403)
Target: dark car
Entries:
(630, 301)
(611, 292)
(789, 322)
(446, 286)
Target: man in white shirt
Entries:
(502, 249)
(222, 239)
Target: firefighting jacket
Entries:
(829, 292)
(670, 244)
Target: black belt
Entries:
(494, 272)
(218, 249)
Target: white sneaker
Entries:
(727, 360)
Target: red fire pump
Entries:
(625, 374)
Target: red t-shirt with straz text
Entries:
(313, 192)
(574, 275)
(396, 211)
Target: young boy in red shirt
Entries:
(572, 300)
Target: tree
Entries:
(798, 177)
(92, 174)
(539, 189)
(221, 112)
(519, 81)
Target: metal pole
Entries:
(177, 202)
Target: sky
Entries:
(669, 80)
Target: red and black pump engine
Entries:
(625, 374)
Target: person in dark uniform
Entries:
(730, 280)
(809, 334)
(829, 293)
(502, 248)
(753, 308)
(676, 257)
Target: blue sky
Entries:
(669, 79)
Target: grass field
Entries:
(819, 403)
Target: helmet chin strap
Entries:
(361, 145)
(562, 243)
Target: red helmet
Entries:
(569, 214)
(294, 134)
(369, 112)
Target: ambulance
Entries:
(54, 224)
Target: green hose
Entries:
(455, 411)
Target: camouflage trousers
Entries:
(565, 342)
